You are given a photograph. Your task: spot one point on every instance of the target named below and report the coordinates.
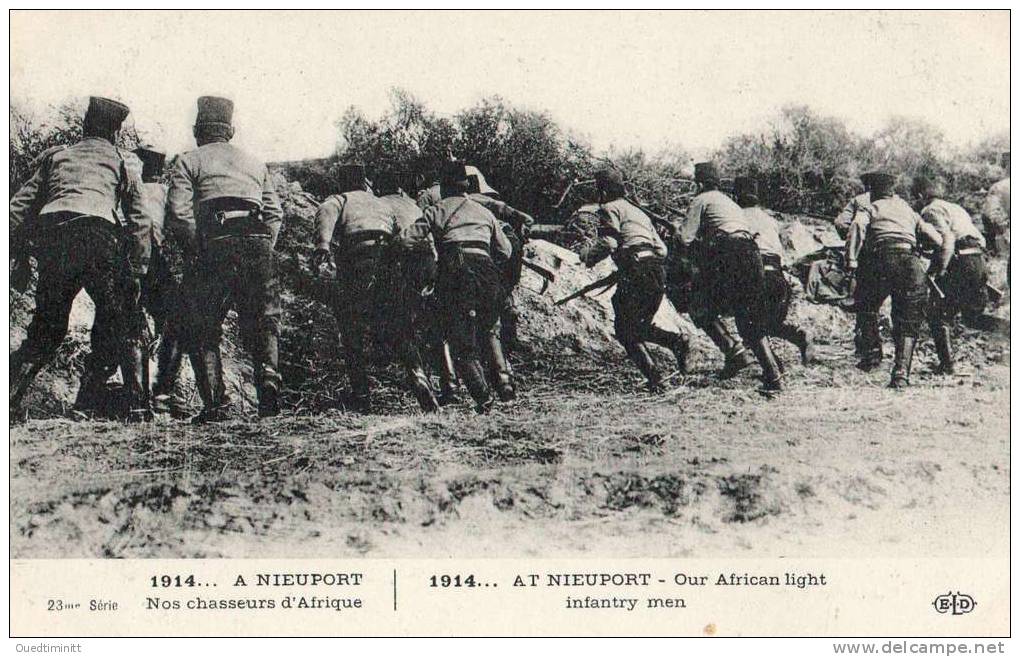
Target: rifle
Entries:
(603, 284)
(935, 287)
(547, 276)
(994, 293)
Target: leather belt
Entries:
(973, 250)
(893, 246)
(467, 246)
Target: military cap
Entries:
(706, 172)
(213, 109)
(453, 172)
(478, 183)
(745, 186)
(152, 162)
(880, 180)
(106, 112)
(350, 177)
(927, 187)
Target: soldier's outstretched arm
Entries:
(500, 244)
(180, 218)
(935, 224)
(272, 213)
(691, 225)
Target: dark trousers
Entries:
(85, 253)
(885, 272)
(778, 297)
(469, 297)
(638, 295)
(731, 282)
(233, 272)
(163, 298)
(966, 295)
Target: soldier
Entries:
(515, 225)
(84, 206)
(731, 276)
(224, 210)
(162, 289)
(626, 233)
(355, 230)
(996, 214)
(882, 250)
(959, 270)
(469, 292)
(778, 292)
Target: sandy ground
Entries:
(580, 465)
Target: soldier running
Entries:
(731, 276)
(882, 251)
(626, 234)
(959, 270)
(778, 291)
(224, 209)
(469, 292)
(355, 230)
(84, 207)
(161, 293)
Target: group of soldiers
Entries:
(440, 263)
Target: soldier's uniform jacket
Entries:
(457, 220)
(846, 215)
(996, 206)
(345, 216)
(403, 210)
(712, 213)
(886, 221)
(220, 170)
(504, 211)
(624, 228)
(946, 216)
(429, 196)
(154, 207)
(92, 178)
(765, 229)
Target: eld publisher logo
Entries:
(956, 604)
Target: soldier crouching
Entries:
(882, 248)
(83, 207)
(469, 289)
(626, 233)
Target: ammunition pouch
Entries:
(231, 217)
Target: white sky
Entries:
(625, 79)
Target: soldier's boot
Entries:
(799, 338)
(736, 356)
(502, 374)
(944, 349)
(134, 366)
(900, 377)
(447, 378)
(209, 380)
(771, 369)
(508, 325)
(638, 353)
(268, 383)
(92, 395)
(168, 368)
(675, 342)
(474, 379)
(23, 370)
(422, 388)
(868, 341)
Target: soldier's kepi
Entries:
(223, 206)
(469, 289)
(356, 230)
(626, 233)
(83, 205)
(731, 275)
